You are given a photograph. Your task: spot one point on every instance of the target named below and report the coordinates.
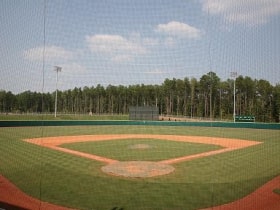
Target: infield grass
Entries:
(128, 149)
(78, 182)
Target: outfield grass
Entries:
(158, 149)
(77, 182)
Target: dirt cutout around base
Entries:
(137, 169)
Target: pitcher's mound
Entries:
(140, 146)
(137, 169)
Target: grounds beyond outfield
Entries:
(200, 183)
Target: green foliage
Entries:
(63, 117)
(276, 103)
(207, 97)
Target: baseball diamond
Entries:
(145, 169)
(193, 168)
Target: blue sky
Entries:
(133, 42)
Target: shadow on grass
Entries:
(4, 205)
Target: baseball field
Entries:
(139, 167)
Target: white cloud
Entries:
(72, 68)
(150, 42)
(121, 58)
(113, 44)
(155, 71)
(177, 29)
(52, 53)
(117, 48)
(169, 42)
(72, 75)
(249, 12)
(145, 42)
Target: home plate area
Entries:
(137, 169)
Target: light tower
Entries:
(233, 75)
(57, 69)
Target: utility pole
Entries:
(233, 75)
(57, 69)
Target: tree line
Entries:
(208, 97)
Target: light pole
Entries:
(233, 75)
(57, 69)
(211, 77)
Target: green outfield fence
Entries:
(23, 123)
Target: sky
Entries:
(127, 42)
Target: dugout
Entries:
(144, 113)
